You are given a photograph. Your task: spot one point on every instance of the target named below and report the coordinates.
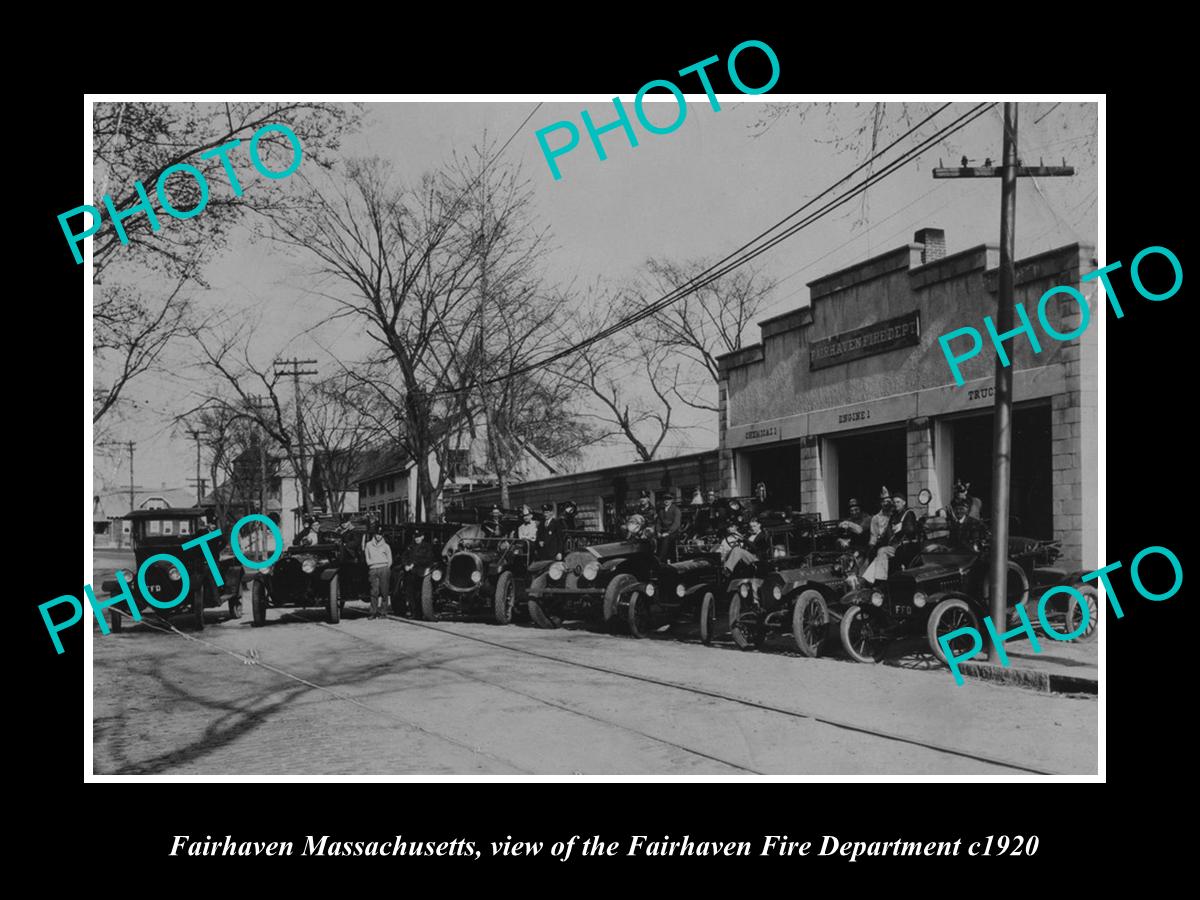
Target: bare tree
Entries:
(340, 428)
(135, 318)
(411, 270)
(629, 383)
(695, 330)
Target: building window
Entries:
(391, 483)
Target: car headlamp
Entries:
(919, 599)
(680, 590)
(476, 576)
(876, 598)
(744, 590)
(650, 589)
(173, 573)
(590, 571)
(777, 592)
(556, 570)
(436, 574)
(408, 567)
(308, 565)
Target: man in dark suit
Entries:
(669, 524)
(552, 540)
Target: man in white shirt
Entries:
(379, 565)
(528, 529)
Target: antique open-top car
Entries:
(325, 573)
(682, 590)
(751, 615)
(942, 590)
(589, 583)
(155, 531)
(479, 574)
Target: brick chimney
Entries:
(934, 240)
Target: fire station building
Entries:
(853, 392)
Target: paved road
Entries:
(396, 697)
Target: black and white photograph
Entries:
(684, 435)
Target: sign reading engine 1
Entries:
(902, 331)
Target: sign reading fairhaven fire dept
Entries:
(902, 331)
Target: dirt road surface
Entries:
(394, 697)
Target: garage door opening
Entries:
(864, 463)
(779, 469)
(1031, 473)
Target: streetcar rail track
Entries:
(742, 701)
(553, 704)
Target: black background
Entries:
(1150, 451)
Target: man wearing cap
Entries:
(416, 558)
(669, 524)
(962, 489)
(647, 512)
(491, 528)
(856, 527)
(553, 539)
(882, 520)
(966, 531)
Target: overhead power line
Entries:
(729, 262)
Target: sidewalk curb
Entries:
(1038, 680)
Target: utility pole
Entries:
(257, 403)
(1008, 173)
(200, 484)
(196, 435)
(128, 445)
(281, 369)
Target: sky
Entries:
(699, 192)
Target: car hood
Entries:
(620, 548)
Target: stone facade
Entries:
(773, 396)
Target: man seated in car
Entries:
(493, 528)
(901, 540)
(855, 529)
(966, 531)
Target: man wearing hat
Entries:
(856, 527)
(491, 527)
(647, 512)
(553, 537)
(882, 520)
(965, 530)
(669, 524)
(962, 490)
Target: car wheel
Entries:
(950, 615)
(1016, 587)
(333, 601)
(708, 618)
(428, 611)
(506, 595)
(858, 635)
(638, 615)
(1074, 612)
(744, 627)
(810, 622)
(258, 603)
(612, 595)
